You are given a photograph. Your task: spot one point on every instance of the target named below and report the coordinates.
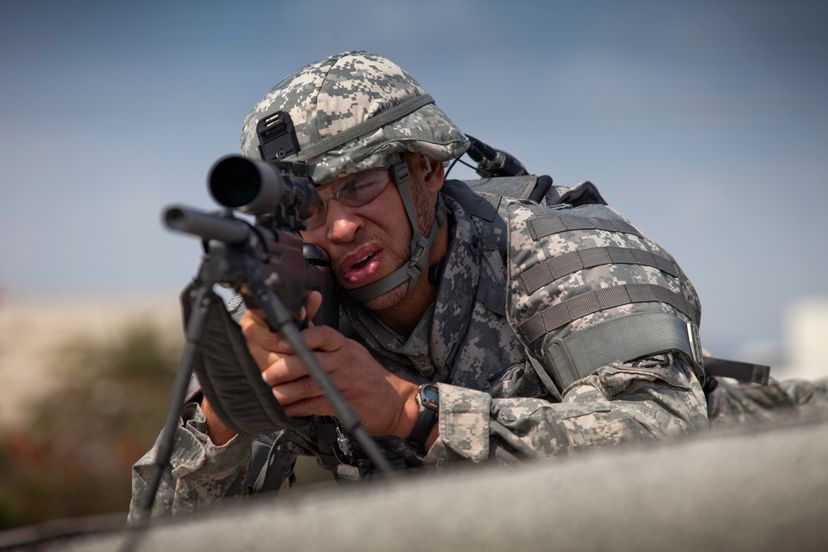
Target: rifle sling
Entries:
(742, 371)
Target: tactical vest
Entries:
(585, 287)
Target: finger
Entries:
(283, 369)
(248, 318)
(250, 323)
(323, 338)
(313, 303)
(317, 406)
(296, 391)
(257, 333)
(256, 314)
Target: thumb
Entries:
(312, 304)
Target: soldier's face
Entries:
(370, 241)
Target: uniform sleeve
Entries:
(200, 472)
(650, 399)
(736, 403)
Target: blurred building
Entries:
(34, 330)
(806, 339)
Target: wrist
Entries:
(435, 432)
(408, 413)
(218, 433)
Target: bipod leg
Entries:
(195, 330)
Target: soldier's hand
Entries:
(385, 403)
(261, 342)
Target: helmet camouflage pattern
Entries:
(351, 93)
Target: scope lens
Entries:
(234, 182)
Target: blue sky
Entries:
(705, 123)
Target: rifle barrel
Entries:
(205, 225)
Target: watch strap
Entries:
(426, 417)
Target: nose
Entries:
(342, 223)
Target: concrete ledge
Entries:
(753, 490)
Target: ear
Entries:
(433, 174)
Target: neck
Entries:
(405, 315)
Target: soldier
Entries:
(477, 327)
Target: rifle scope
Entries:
(260, 188)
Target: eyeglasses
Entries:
(355, 191)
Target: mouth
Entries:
(361, 267)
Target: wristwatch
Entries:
(428, 402)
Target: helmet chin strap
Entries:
(420, 244)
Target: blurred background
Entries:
(705, 123)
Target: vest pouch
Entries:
(621, 339)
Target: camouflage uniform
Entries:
(735, 403)
(493, 407)
(495, 404)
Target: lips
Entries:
(361, 266)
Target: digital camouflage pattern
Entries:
(647, 400)
(734, 403)
(527, 252)
(336, 93)
(201, 474)
(560, 260)
(492, 405)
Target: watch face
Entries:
(430, 397)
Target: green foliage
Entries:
(75, 458)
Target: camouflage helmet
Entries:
(351, 112)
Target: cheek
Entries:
(386, 211)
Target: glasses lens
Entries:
(361, 190)
(353, 192)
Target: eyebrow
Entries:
(362, 178)
(348, 180)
